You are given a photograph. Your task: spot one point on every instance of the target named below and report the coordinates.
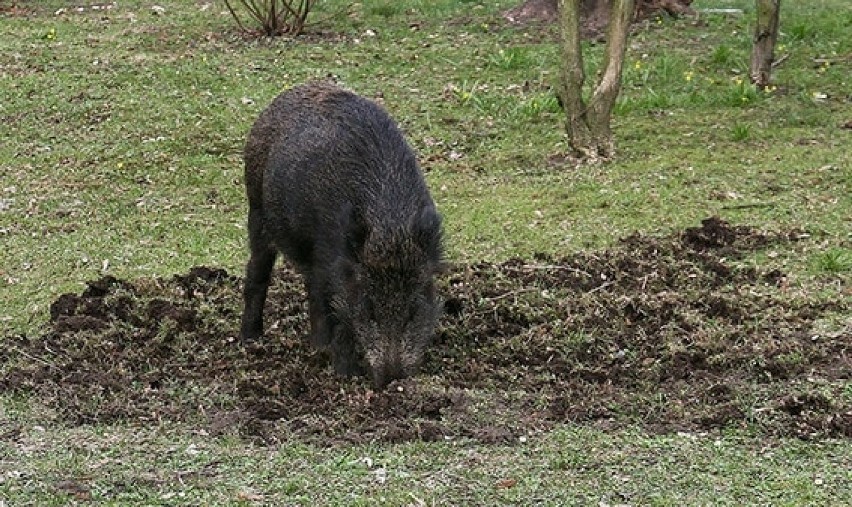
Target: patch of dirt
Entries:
(594, 14)
(670, 333)
(15, 9)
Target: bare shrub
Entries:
(274, 17)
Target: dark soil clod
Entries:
(665, 332)
(713, 233)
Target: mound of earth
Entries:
(670, 333)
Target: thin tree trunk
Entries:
(573, 77)
(606, 92)
(765, 36)
(588, 125)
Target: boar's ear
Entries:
(427, 232)
(354, 231)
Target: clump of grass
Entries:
(509, 59)
(740, 93)
(536, 106)
(465, 93)
(801, 30)
(740, 131)
(833, 260)
(385, 10)
(651, 101)
(722, 55)
(476, 96)
(637, 73)
(791, 360)
(668, 68)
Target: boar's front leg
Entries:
(327, 330)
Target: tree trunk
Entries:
(588, 125)
(573, 76)
(765, 36)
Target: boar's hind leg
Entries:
(258, 273)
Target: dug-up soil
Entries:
(668, 333)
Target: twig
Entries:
(549, 266)
(253, 9)
(511, 293)
(749, 205)
(778, 62)
(234, 15)
(601, 287)
(831, 61)
(34, 358)
(345, 10)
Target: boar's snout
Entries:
(386, 373)
(395, 364)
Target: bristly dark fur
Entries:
(333, 185)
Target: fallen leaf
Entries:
(79, 490)
(249, 496)
(506, 483)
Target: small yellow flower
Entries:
(51, 34)
(120, 165)
(637, 65)
(688, 75)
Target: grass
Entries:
(122, 134)
(834, 260)
(740, 131)
(573, 466)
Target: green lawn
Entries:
(121, 130)
(574, 466)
